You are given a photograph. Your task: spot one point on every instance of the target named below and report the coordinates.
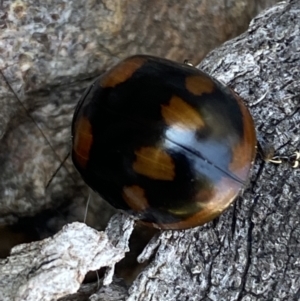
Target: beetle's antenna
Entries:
(38, 127)
(98, 280)
(87, 208)
(57, 169)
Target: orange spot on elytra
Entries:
(181, 114)
(199, 84)
(154, 163)
(135, 198)
(121, 72)
(83, 139)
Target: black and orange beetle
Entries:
(164, 141)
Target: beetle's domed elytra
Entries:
(164, 141)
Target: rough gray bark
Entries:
(55, 267)
(252, 251)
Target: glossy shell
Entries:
(164, 141)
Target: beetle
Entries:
(163, 141)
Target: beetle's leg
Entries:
(267, 153)
(187, 62)
(294, 159)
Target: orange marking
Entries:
(199, 84)
(135, 198)
(154, 163)
(121, 72)
(179, 113)
(83, 140)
